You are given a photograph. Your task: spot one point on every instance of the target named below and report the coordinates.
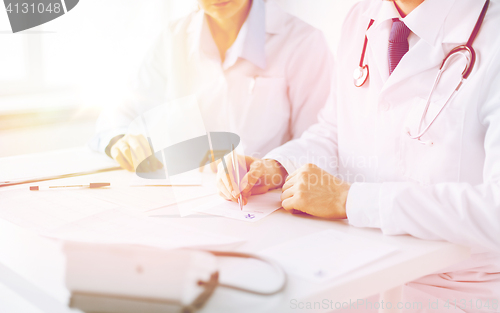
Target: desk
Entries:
(33, 266)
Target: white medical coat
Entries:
(447, 191)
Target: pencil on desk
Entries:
(91, 185)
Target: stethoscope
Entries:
(362, 73)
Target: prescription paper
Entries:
(326, 255)
(258, 207)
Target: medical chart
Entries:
(325, 255)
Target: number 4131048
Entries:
(32, 8)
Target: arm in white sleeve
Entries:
(308, 73)
(317, 145)
(146, 91)
(456, 212)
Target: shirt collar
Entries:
(249, 44)
(251, 41)
(433, 12)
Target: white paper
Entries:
(191, 178)
(325, 255)
(121, 227)
(68, 161)
(48, 209)
(258, 206)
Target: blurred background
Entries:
(57, 77)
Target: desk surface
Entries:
(33, 266)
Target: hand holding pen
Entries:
(257, 176)
(230, 171)
(236, 167)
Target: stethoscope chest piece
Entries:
(360, 75)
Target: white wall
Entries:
(327, 15)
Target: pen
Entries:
(237, 172)
(92, 186)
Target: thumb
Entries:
(251, 178)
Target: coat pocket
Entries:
(436, 157)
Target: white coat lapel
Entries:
(420, 58)
(377, 57)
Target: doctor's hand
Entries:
(313, 191)
(131, 150)
(261, 176)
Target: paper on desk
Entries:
(258, 207)
(191, 178)
(48, 209)
(121, 227)
(67, 161)
(325, 255)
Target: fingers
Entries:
(224, 192)
(287, 194)
(234, 173)
(290, 182)
(291, 175)
(213, 167)
(258, 190)
(223, 182)
(117, 154)
(137, 149)
(251, 178)
(141, 155)
(288, 204)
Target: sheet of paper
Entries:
(118, 226)
(258, 206)
(325, 255)
(48, 209)
(191, 178)
(68, 161)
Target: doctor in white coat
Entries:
(367, 161)
(255, 70)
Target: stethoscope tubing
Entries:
(361, 74)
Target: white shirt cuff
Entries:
(363, 205)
